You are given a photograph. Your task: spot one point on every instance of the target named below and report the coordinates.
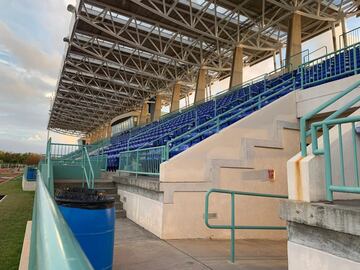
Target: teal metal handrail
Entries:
(342, 187)
(351, 36)
(52, 244)
(232, 226)
(304, 133)
(143, 161)
(88, 170)
(310, 53)
(71, 154)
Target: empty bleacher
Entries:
(183, 129)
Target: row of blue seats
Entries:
(169, 129)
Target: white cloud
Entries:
(30, 60)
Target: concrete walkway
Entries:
(137, 249)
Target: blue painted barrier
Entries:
(91, 217)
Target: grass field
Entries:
(15, 211)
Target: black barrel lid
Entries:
(83, 198)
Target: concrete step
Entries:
(107, 190)
(149, 183)
(119, 205)
(121, 213)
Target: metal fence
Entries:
(349, 38)
(232, 226)
(347, 182)
(143, 161)
(343, 183)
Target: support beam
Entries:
(156, 113)
(274, 60)
(333, 34)
(144, 114)
(175, 98)
(293, 49)
(236, 77)
(200, 85)
(343, 31)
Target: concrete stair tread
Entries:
(120, 213)
(149, 183)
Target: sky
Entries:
(31, 51)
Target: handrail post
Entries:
(232, 227)
(328, 172)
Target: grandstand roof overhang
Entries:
(123, 52)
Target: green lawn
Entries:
(15, 211)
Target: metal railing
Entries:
(350, 37)
(324, 126)
(305, 132)
(52, 244)
(143, 161)
(344, 184)
(59, 154)
(232, 226)
(88, 170)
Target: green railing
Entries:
(350, 37)
(88, 170)
(305, 132)
(65, 155)
(52, 244)
(143, 161)
(344, 183)
(232, 226)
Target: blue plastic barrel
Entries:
(31, 174)
(92, 221)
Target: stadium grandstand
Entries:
(255, 174)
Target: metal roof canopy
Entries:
(122, 52)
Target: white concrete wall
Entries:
(305, 258)
(254, 143)
(311, 98)
(306, 176)
(143, 211)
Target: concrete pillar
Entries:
(333, 34)
(200, 85)
(343, 32)
(144, 113)
(236, 77)
(108, 131)
(157, 109)
(175, 98)
(274, 59)
(293, 49)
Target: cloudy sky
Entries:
(31, 49)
